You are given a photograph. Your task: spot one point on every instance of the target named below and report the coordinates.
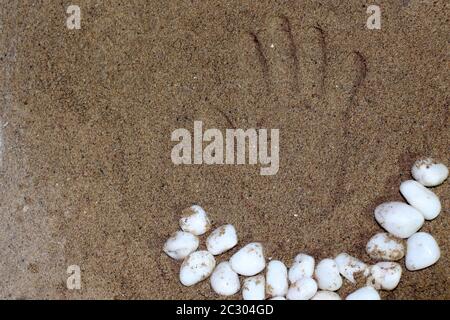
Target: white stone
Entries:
(278, 298)
(254, 288)
(422, 251)
(303, 289)
(421, 198)
(224, 280)
(222, 239)
(276, 279)
(385, 275)
(384, 246)
(249, 260)
(326, 295)
(302, 267)
(195, 220)
(350, 266)
(365, 293)
(180, 245)
(197, 267)
(327, 275)
(399, 219)
(429, 172)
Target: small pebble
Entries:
(195, 220)
(384, 246)
(254, 288)
(276, 279)
(429, 172)
(365, 293)
(421, 198)
(349, 266)
(303, 289)
(249, 260)
(197, 267)
(278, 298)
(385, 275)
(327, 275)
(422, 251)
(222, 239)
(224, 280)
(326, 295)
(399, 219)
(302, 267)
(180, 245)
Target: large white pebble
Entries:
(249, 260)
(327, 275)
(350, 266)
(254, 288)
(384, 246)
(224, 280)
(197, 267)
(421, 198)
(421, 251)
(365, 293)
(195, 220)
(399, 219)
(302, 267)
(385, 275)
(222, 239)
(278, 298)
(303, 289)
(276, 279)
(429, 172)
(326, 295)
(180, 245)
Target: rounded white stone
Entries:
(350, 266)
(303, 289)
(276, 279)
(422, 251)
(421, 198)
(365, 293)
(249, 260)
(222, 239)
(278, 298)
(327, 275)
(326, 295)
(195, 220)
(429, 172)
(385, 275)
(302, 267)
(180, 245)
(399, 219)
(384, 246)
(224, 280)
(197, 267)
(254, 288)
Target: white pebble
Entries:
(222, 239)
(365, 293)
(349, 267)
(276, 279)
(429, 172)
(195, 220)
(384, 246)
(302, 267)
(421, 198)
(180, 245)
(326, 295)
(399, 219)
(254, 288)
(421, 251)
(249, 260)
(303, 289)
(327, 275)
(197, 267)
(385, 275)
(224, 280)
(278, 298)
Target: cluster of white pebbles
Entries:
(305, 279)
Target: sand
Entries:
(86, 116)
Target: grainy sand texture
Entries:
(86, 117)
